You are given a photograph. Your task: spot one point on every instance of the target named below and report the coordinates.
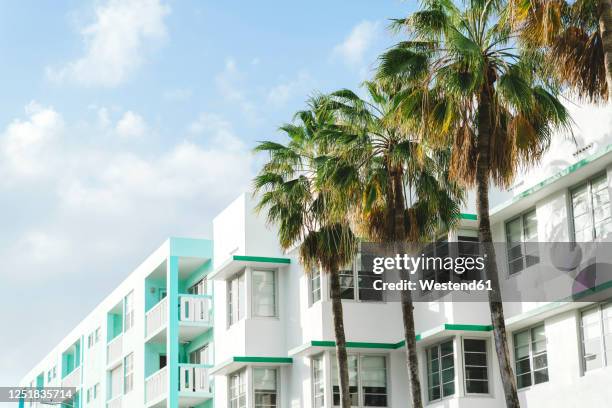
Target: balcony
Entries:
(194, 386)
(195, 318)
(114, 403)
(114, 352)
(73, 379)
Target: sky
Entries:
(124, 122)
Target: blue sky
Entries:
(125, 122)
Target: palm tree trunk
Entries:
(412, 360)
(485, 130)
(605, 29)
(399, 246)
(341, 355)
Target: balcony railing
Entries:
(73, 379)
(156, 385)
(195, 308)
(114, 349)
(114, 403)
(193, 378)
(157, 317)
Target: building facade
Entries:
(238, 324)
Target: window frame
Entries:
(242, 376)
(201, 284)
(311, 277)
(275, 292)
(588, 183)
(354, 269)
(241, 298)
(360, 393)
(531, 356)
(320, 359)
(128, 312)
(277, 381)
(128, 373)
(521, 217)
(606, 358)
(438, 346)
(488, 367)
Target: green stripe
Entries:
(276, 360)
(469, 327)
(261, 259)
(354, 344)
(465, 216)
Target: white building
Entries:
(239, 324)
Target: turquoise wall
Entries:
(152, 292)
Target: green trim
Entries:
(469, 327)
(261, 259)
(353, 344)
(466, 216)
(566, 171)
(274, 360)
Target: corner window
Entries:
(314, 286)
(128, 313)
(237, 389)
(475, 366)
(530, 357)
(200, 288)
(441, 371)
(356, 282)
(265, 387)
(591, 210)
(235, 299)
(318, 382)
(264, 293)
(367, 381)
(522, 242)
(596, 330)
(128, 373)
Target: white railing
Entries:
(114, 349)
(73, 379)
(195, 308)
(193, 378)
(114, 403)
(157, 317)
(156, 384)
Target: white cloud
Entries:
(231, 85)
(217, 130)
(25, 144)
(131, 125)
(178, 94)
(355, 46)
(283, 92)
(116, 43)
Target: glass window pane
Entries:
(264, 293)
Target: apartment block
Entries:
(236, 323)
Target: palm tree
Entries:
(576, 37)
(398, 185)
(309, 215)
(482, 96)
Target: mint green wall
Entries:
(151, 357)
(152, 289)
(207, 404)
(114, 325)
(195, 277)
(199, 342)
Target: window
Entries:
(97, 335)
(475, 366)
(318, 382)
(199, 356)
(265, 387)
(96, 391)
(115, 383)
(235, 299)
(441, 371)
(264, 293)
(200, 288)
(469, 247)
(54, 371)
(596, 328)
(128, 317)
(353, 384)
(238, 390)
(522, 242)
(49, 376)
(591, 210)
(128, 373)
(314, 286)
(356, 282)
(367, 380)
(530, 357)
(88, 395)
